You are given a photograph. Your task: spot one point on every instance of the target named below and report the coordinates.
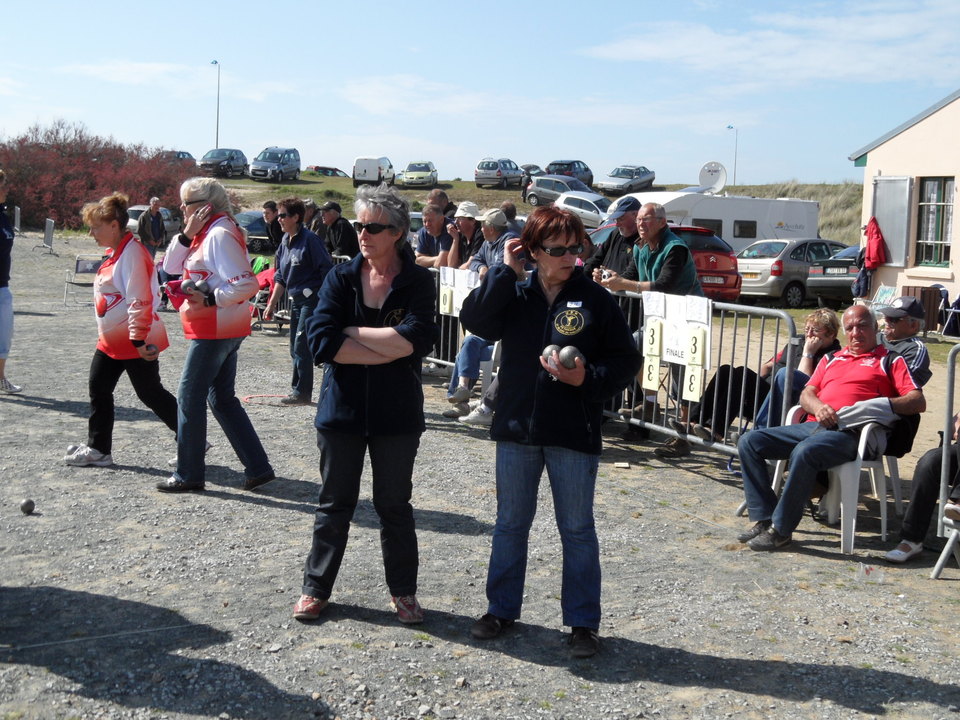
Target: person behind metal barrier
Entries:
(6, 298)
(549, 415)
(863, 378)
(375, 321)
(339, 236)
(433, 242)
(902, 320)
(302, 264)
(924, 495)
(710, 413)
(130, 334)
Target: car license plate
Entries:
(836, 270)
(711, 280)
(750, 276)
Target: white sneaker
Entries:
(904, 551)
(478, 417)
(460, 395)
(952, 510)
(8, 387)
(172, 462)
(84, 456)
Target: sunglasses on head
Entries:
(372, 228)
(561, 251)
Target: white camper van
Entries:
(738, 220)
(373, 170)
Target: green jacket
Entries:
(650, 264)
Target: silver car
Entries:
(626, 179)
(590, 207)
(170, 221)
(501, 173)
(779, 268)
(544, 189)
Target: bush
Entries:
(53, 171)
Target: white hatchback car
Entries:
(590, 207)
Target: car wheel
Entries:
(229, 172)
(280, 177)
(533, 199)
(793, 295)
(503, 183)
(479, 185)
(296, 176)
(256, 245)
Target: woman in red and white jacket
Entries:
(131, 336)
(212, 254)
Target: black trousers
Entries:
(341, 465)
(924, 494)
(144, 375)
(728, 383)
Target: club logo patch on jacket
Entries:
(569, 322)
(394, 317)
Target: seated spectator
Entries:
(466, 371)
(924, 494)
(493, 224)
(864, 382)
(902, 320)
(439, 198)
(339, 235)
(433, 243)
(510, 211)
(466, 233)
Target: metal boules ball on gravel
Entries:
(569, 355)
(27, 506)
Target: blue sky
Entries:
(804, 83)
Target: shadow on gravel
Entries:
(75, 407)
(125, 652)
(432, 520)
(622, 660)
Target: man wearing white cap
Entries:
(903, 319)
(466, 234)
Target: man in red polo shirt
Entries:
(842, 392)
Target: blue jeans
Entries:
(6, 321)
(341, 466)
(208, 376)
(300, 311)
(572, 478)
(773, 404)
(810, 447)
(473, 351)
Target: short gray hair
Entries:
(208, 190)
(659, 211)
(389, 201)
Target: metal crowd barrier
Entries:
(947, 440)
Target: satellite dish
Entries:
(713, 176)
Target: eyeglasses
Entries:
(372, 228)
(192, 202)
(893, 320)
(561, 251)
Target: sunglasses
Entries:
(372, 228)
(285, 215)
(561, 251)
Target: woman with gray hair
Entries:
(375, 320)
(211, 254)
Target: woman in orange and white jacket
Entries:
(212, 253)
(131, 336)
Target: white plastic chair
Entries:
(488, 368)
(952, 546)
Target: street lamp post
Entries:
(736, 143)
(217, 141)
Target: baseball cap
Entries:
(628, 204)
(903, 306)
(331, 205)
(495, 217)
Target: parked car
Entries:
(779, 268)
(418, 174)
(544, 189)
(258, 241)
(326, 171)
(502, 173)
(276, 163)
(170, 221)
(373, 170)
(530, 171)
(626, 179)
(573, 168)
(223, 162)
(832, 279)
(179, 156)
(416, 222)
(715, 260)
(588, 206)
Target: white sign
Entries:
(681, 319)
(455, 285)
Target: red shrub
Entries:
(52, 172)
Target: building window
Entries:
(935, 221)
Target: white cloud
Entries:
(10, 87)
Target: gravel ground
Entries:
(118, 601)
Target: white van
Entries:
(373, 170)
(738, 220)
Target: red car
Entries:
(715, 260)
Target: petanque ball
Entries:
(151, 348)
(548, 352)
(27, 506)
(569, 355)
(188, 285)
(203, 287)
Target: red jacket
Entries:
(876, 254)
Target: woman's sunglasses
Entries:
(372, 228)
(561, 251)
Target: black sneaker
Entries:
(584, 642)
(173, 484)
(255, 482)
(489, 626)
(760, 527)
(769, 540)
(292, 399)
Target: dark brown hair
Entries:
(293, 206)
